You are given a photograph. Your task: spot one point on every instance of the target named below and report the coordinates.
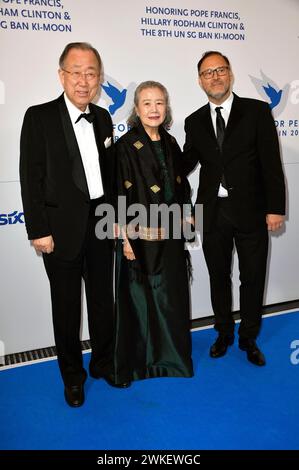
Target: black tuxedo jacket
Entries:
(53, 183)
(250, 162)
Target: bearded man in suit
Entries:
(66, 170)
(241, 187)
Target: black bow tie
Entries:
(89, 117)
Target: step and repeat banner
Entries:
(140, 40)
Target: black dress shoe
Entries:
(113, 384)
(254, 354)
(221, 344)
(74, 395)
(109, 380)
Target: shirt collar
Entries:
(226, 105)
(74, 112)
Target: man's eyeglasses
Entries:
(88, 76)
(209, 73)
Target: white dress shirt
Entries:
(225, 112)
(88, 149)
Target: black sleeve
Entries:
(190, 155)
(269, 155)
(32, 175)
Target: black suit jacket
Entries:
(250, 162)
(53, 183)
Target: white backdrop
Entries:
(140, 40)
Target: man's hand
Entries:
(274, 221)
(44, 245)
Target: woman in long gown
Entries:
(152, 337)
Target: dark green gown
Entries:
(152, 330)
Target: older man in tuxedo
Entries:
(66, 170)
(242, 191)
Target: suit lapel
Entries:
(233, 121)
(206, 120)
(78, 172)
(235, 117)
(98, 132)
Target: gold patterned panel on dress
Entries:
(138, 144)
(145, 233)
(179, 179)
(152, 233)
(155, 188)
(127, 184)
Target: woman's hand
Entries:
(127, 250)
(190, 220)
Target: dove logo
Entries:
(271, 92)
(275, 96)
(117, 96)
(117, 99)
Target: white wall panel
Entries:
(266, 53)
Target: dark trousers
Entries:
(94, 264)
(252, 249)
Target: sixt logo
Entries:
(271, 92)
(12, 219)
(117, 99)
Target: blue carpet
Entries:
(229, 404)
